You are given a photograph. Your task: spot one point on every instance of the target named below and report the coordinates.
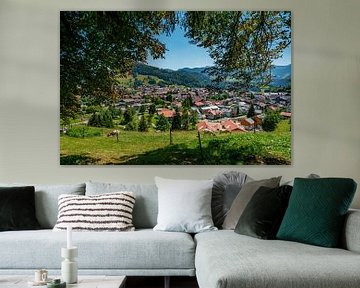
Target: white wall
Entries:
(326, 91)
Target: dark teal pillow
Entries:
(316, 211)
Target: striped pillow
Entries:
(105, 212)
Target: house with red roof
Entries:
(167, 113)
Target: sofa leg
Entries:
(167, 282)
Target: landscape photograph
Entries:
(175, 88)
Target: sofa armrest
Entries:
(351, 234)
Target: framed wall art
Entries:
(175, 88)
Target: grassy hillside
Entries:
(153, 148)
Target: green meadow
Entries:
(92, 146)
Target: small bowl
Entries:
(56, 283)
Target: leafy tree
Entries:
(243, 44)
(169, 97)
(137, 83)
(152, 109)
(187, 102)
(270, 121)
(101, 119)
(69, 106)
(162, 123)
(251, 112)
(143, 127)
(96, 47)
(142, 109)
(194, 118)
(149, 120)
(129, 114)
(115, 112)
(176, 122)
(152, 81)
(132, 125)
(185, 120)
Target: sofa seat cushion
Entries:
(142, 249)
(226, 259)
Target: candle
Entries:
(69, 237)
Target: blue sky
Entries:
(182, 54)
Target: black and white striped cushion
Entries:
(105, 212)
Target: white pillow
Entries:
(184, 205)
(105, 212)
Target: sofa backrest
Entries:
(146, 203)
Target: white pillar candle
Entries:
(69, 237)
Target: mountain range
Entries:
(198, 77)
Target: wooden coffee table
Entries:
(84, 281)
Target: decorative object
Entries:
(17, 208)
(184, 205)
(225, 189)
(41, 275)
(198, 87)
(56, 283)
(243, 198)
(317, 209)
(40, 279)
(263, 214)
(69, 265)
(105, 212)
(69, 237)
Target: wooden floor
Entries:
(158, 282)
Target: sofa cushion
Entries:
(350, 239)
(225, 189)
(243, 198)
(263, 215)
(146, 205)
(17, 208)
(46, 200)
(317, 209)
(184, 205)
(225, 259)
(105, 212)
(137, 250)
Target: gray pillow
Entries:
(46, 200)
(243, 197)
(310, 176)
(226, 187)
(146, 204)
(184, 205)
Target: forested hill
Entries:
(197, 77)
(281, 75)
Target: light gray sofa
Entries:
(219, 259)
(226, 259)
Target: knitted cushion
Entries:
(105, 212)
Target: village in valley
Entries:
(216, 111)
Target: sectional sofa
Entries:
(218, 259)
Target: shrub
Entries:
(270, 122)
(82, 132)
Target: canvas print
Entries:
(175, 88)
